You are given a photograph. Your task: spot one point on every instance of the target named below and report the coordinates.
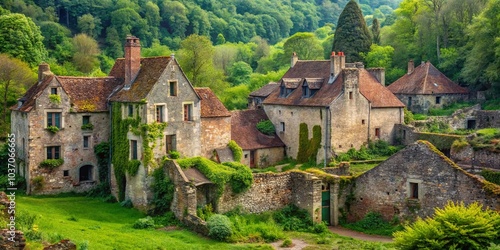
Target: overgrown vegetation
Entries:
(51, 163)
(308, 148)
(375, 149)
(219, 227)
(491, 176)
(266, 127)
(373, 223)
(488, 138)
(88, 126)
(55, 98)
(53, 129)
(449, 109)
(236, 149)
(101, 152)
(455, 226)
(163, 192)
(408, 116)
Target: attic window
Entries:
(172, 88)
(53, 91)
(438, 99)
(306, 92)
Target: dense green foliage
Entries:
(375, 149)
(219, 227)
(352, 36)
(236, 149)
(51, 163)
(486, 139)
(491, 176)
(455, 226)
(101, 151)
(163, 192)
(373, 223)
(266, 127)
(308, 148)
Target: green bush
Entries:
(38, 182)
(205, 212)
(241, 179)
(419, 117)
(491, 176)
(52, 129)
(459, 144)
(266, 127)
(163, 192)
(373, 223)
(51, 163)
(236, 149)
(286, 243)
(455, 226)
(174, 154)
(219, 227)
(133, 167)
(55, 98)
(408, 116)
(144, 223)
(292, 218)
(87, 126)
(166, 219)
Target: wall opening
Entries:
(86, 173)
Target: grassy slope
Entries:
(108, 226)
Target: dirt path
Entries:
(360, 236)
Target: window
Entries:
(65, 172)
(282, 125)
(350, 95)
(86, 141)
(438, 99)
(54, 119)
(282, 91)
(409, 101)
(133, 150)
(188, 112)
(53, 91)
(85, 119)
(172, 88)
(130, 110)
(306, 92)
(170, 142)
(377, 132)
(160, 113)
(86, 173)
(413, 190)
(363, 121)
(54, 152)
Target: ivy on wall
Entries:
(237, 151)
(101, 152)
(308, 148)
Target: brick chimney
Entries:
(43, 71)
(295, 58)
(132, 60)
(411, 67)
(337, 63)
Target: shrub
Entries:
(241, 179)
(205, 212)
(453, 227)
(144, 223)
(373, 223)
(133, 167)
(266, 127)
(51, 163)
(127, 203)
(174, 154)
(101, 190)
(163, 192)
(52, 129)
(55, 98)
(491, 176)
(166, 219)
(219, 227)
(293, 218)
(38, 182)
(286, 243)
(459, 144)
(236, 149)
(408, 116)
(88, 126)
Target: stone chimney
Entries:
(411, 67)
(295, 58)
(378, 73)
(43, 71)
(337, 63)
(132, 60)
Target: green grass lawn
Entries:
(89, 221)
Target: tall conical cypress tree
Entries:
(352, 35)
(376, 31)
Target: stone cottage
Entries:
(425, 87)
(415, 181)
(259, 150)
(346, 104)
(255, 98)
(57, 123)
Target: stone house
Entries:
(259, 150)
(346, 104)
(76, 110)
(215, 123)
(425, 87)
(255, 98)
(415, 181)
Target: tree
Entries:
(89, 25)
(455, 226)
(352, 36)
(305, 44)
(175, 19)
(21, 38)
(239, 73)
(376, 31)
(86, 52)
(156, 50)
(15, 78)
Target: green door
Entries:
(325, 206)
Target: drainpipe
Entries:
(327, 132)
(110, 142)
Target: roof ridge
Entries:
(426, 75)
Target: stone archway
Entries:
(86, 173)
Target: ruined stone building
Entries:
(346, 104)
(425, 87)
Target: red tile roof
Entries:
(317, 74)
(244, 130)
(211, 106)
(89, 94)
(426, 79)
(30, 96)
(151, 70)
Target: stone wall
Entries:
(422, 103)
(215, 133)
(407, 135)
(138, 188)
(32, 144)
(306, 193)
(483, 158)
(388, 187)
(487, 119)
(385, 119)
(264, 157)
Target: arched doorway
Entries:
(86, 173)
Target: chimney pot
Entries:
(295, 58)
(411, 67)
(43, 71)
(132, 59)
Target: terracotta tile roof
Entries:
(378, 95)
(30, 96)
(211, 106)
(151, 70)
(317, 74)
(426, 79)
(244, 130)
(89, 94)
(265, 90)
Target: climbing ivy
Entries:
(308, 148)
(101, 152)
(237, 151)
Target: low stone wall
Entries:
(341, 169)
(483, 158)
(54, 184)
(306, 193)
(487, 118)
(408, 135)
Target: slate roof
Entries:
(426, 80)
(265, 90)
(89, 91)
(244, 130)
(151, 70)
(317, 75)
(211, 106)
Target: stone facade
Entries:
(263, 157)
(483, 158)
(422, 103)
(215, 133)
(413, 182)
(488, 118)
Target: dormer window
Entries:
(306, 92)
(282, 91)
(53, 91)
